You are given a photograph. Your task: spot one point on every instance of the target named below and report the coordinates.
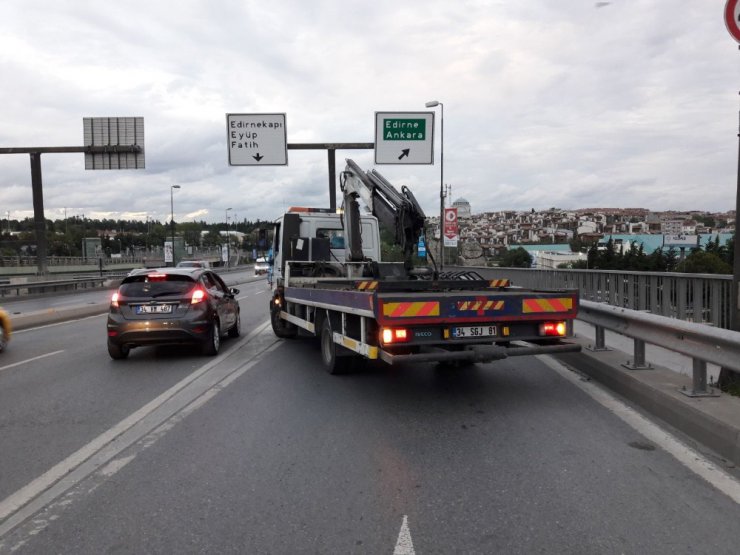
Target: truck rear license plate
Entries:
(468, 332)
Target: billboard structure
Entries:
(681, 240)
(116, 136)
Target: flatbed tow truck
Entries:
(330, 283)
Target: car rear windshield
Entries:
(159, 285)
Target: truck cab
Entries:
(316, 235)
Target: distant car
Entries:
(261, 266)
(167, 306)
(193, 264)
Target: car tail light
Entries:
(198, 295)
(156, 277)
(388, 336)
(114, 299)
(553, 329)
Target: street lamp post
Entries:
(432, 104)
(228, 242)
(172, 219)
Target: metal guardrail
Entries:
(683, 313)
(692, 297)
(704, 344)
(10, 287)
(53, 286)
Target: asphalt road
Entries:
(261, 451)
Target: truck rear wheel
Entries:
(334, 364)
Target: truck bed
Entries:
(421, 303)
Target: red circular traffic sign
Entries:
(732, 15)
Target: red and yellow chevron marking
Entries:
(499, 283)
(563, 304)
(480, 305)
(410, 310)
(367, 285)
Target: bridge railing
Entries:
(669, 310)
(703, 298)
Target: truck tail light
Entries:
(553, 329)
(389, 336)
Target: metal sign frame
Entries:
(257, 139)
(406, 147)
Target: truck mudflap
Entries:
(479, 353)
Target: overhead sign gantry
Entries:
(110, 144)
(261, 140)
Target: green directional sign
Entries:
(395, 129)
(404, 137)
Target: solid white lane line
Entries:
(23, 496)
(83, 480)
(6, 367)
(691, 459)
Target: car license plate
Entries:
(154, 309)
(469, 332)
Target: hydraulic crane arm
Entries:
(399, 212)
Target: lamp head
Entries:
(432, 103)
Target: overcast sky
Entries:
(547, 103)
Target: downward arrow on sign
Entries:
(258, 157)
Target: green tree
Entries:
(701, 262)
(211, 239)
(516, 258)
(190, 232)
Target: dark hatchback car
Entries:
(168, 306)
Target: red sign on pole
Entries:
(450, 227)
(732, 18)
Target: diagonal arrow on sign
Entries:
(404, 152)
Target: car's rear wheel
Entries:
(118, 352)
(3, 339)
(236, 329)
(213, 341)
